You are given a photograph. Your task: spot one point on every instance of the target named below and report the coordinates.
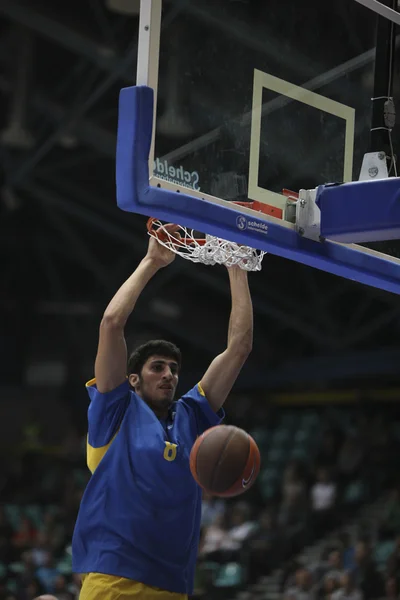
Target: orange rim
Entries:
(162, 236)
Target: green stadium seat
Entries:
(49, 481)
(264, 455)
(17, 567)
(269, 474)
(355, 492)
(261, 436)
(282, 435)
(310, 420)
(13, 514)
(268, 483)
(64, 567)
(268, 491)
(229, 575)
(288, 418)
(299, 452)
(204, 575)
(80, 477)
(382, 552)
(34, 514)
(12, 586)
(3, 570)
(277, 455)
(302, 436)
(53, 509)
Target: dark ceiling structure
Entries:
(66, 247)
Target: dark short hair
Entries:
(155, 347)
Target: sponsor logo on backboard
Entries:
(244, 223)
(177, 175)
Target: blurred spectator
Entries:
(54, 531)
(292, 515)
(293, 506)
(348, 551)
(366, 575)
(391, 589)
(40, 550)
(30, 590)
(380, 451)
(335, 568)
(212, 538)
(390, 524)
(47, 574)
(27, 570)
(329, 586)
(393, 567)
(5, 527)
(61, 589)
(328, 452)
(24, 536)
(210, 509)
(3, 588)
(240, 530)
(263, 546)
(348, 589)
(223, 544)
(293, 486)
(350, 459)
(5, 549)
(303, 588)
(323, 498)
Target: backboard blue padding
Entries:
(134, 194)
(363, 211)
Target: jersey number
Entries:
(170, 451)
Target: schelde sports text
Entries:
(176, 174)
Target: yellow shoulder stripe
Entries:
(90, 382)
(201, 391)
(95, 455)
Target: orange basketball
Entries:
(225, 461)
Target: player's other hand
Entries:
(158, 253)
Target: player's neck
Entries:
(161, 412)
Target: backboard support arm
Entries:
(148, 55)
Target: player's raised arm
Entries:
(111, 359)
(225, 368)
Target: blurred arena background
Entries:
(320, 393)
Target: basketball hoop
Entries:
(209, 250)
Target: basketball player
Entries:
(137, 530)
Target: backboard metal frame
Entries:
(382, 10)
(294, 92)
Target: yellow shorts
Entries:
(96, 586)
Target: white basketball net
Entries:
(209, 250)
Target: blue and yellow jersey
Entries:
(140, 514)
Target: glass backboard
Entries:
(255, 97)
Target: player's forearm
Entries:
(125, 299)
(240, 332)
